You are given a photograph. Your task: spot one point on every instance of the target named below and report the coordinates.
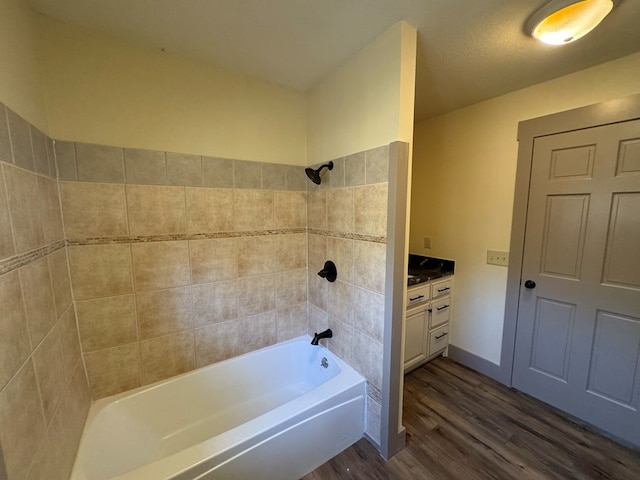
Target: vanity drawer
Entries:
(417, 295)
(440, 289)
(440, 312)
(438, 339)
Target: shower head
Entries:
(314, 175)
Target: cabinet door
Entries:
(415, 346)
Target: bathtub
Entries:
(276, 413)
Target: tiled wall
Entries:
(347, 222)
(44, 397)
(179, 261)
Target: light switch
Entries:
(496, 257)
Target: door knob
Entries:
(529, 284)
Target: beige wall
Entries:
(112, 92)
(20, 85)
(463, 182)
(368, 101)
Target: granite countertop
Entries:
(424, 269)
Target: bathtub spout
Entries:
(319, 336)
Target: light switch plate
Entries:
(427, 242)
(497, 257)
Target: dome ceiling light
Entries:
(565, 21)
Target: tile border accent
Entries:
(349, 236)
(16, 261)
(170, 238)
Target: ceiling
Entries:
(468, 50)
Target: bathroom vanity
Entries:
(429, 294)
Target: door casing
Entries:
(605, 113)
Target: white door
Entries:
(578, 328)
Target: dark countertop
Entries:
(424, 269)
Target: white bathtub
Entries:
(275, 413)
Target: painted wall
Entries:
(368, 101)
(463, 184)
(107, 91)
(20, 82)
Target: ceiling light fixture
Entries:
(564, 21)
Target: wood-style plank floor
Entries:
(463, 425)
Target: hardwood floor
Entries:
(463, 425)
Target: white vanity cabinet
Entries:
(427, 322)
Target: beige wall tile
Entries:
(14, 336)
(145, 167)
(354, 169)
(51, 213)
(377, 164)
(209, 210)
(256, 295)
(164, 357)
(317, 209)
(6, 232)
(113, 370)
(100, 270)
(55, 457)
(214, 302)
(107, 322)
(340, 252)
(49, 365)
(317, 252)
(292, 251)
(20, 140)
(158, 265)
(253, 210)
(51, 159)
(292, 322)
(24, 207)
(94, 210)
(291, 288)
(367, 355)
(38, 299)
(217, 172)
(342, 341)
(155, 210)
(65, 156)
(5, 140)
(296, 179)
(184, 169)
(99, 163)
(274, 176)
(370, 209)
(340, 210)
(340, 301)
(213, 260)
(22, 424)
(60, 281)
(337, 174)
(257, 255)
(290, 209)
(228, 339)
(247, 174)
(369, 313)
(317, 290)
(39, 148)
(369, 268)
(318, 320)
(68, 331)
(164, 311)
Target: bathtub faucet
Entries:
(319, 336)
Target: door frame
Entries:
(604, 113)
